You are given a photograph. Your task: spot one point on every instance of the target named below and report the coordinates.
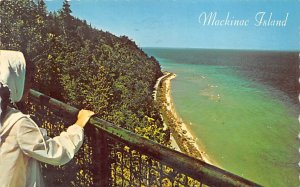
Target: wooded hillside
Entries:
(84, 66)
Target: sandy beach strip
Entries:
(180, 133)
(173, 142)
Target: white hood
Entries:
(12, 73)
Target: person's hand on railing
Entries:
(83, 117)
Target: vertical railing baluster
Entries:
(122, 165)
(115, 167)
(161, 174)
(131, 182)
(101, 163)
(140, 169)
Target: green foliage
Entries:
(83, 66)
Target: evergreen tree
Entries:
(67, 19)
(66, 8)
(42, 9)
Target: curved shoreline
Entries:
(180, 132)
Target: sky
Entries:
(179, 24)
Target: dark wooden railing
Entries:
(113, 156)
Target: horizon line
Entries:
(233, 49)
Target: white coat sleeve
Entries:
(55, 151)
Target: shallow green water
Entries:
(243, 125)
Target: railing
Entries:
(113, 156)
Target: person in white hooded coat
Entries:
(22, 143)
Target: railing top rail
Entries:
(197, 169)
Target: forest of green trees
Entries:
(84, 66)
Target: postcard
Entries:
(186, 93)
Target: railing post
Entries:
(101, 159)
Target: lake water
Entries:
(242, 106)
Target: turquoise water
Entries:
(246, 123)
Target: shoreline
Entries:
(179, 131)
